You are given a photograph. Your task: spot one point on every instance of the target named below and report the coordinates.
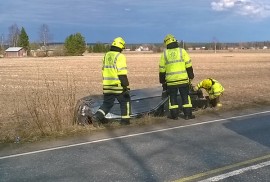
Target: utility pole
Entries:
(2, 41)
(215, 44)
(183, 44)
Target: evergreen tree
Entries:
(99, 47)
(90, 49)
(24, 40)
(75, 45)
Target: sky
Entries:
(140, 21)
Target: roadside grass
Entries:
(49, 113)
(41, 112)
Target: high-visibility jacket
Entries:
(114, 64)
(215, 90)
(174, 62)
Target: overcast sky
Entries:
(141, 21)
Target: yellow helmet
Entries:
(169, 39)
(119, 42)
(207, 83)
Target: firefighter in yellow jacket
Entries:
(175, 74)
(115, 84)
(214, 89)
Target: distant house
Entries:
(142, 48)
(15, 52)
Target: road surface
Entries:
(217, 147)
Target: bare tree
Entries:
(44, 34)
(13, 36)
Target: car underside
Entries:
(146, 101)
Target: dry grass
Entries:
(37, 95)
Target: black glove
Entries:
(164, 86)
(191, 87)
(164, 94)
(126, 92)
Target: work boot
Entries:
(125, 122)
(219, 105)
(174, 118)
(174, 114)
(95, 121)
(187, 117)
(188, 113)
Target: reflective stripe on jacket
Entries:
(174, 62)
(114, 64)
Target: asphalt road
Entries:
(217, 147)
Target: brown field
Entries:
(55, 83)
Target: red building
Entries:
(15, 52)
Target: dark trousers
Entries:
(108, 103)
(174, 105)
(214, 102)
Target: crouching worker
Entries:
(115, 84)
(214, 89)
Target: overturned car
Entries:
(148, 101)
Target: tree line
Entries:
(17, 37)
(75, 44)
